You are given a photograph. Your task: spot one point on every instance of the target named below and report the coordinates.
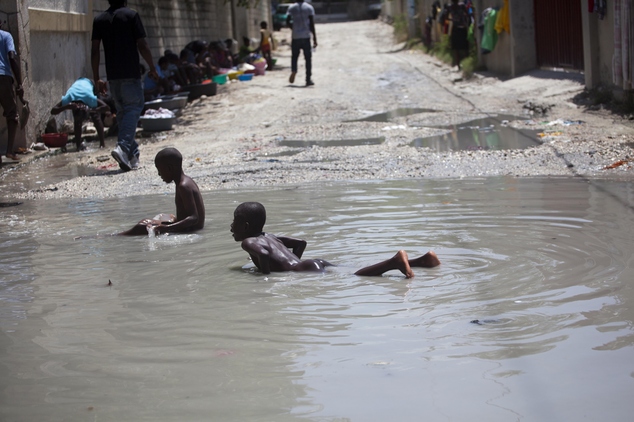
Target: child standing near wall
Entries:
(266, 42)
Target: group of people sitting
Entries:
(200, 60)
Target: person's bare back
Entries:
(190, 209)
(272, 253)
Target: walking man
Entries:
(301, 19)
(123, 36)
(9, 72)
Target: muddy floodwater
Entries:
(529, 317)
(486, 134)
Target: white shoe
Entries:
(121, 158)
(134, 162)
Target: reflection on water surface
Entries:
(393, 114)
(489, 133)
(184, 333)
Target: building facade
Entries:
(52, 38)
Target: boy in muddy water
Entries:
(190, 210)
(272, 253)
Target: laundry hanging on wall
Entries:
(490, 35)
(503, 22)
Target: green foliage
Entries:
(400, 28)
(442, 50)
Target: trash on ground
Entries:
(549, 134)
(39, 146)
(563, 122)
(616, 164)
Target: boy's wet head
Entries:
(169, 163)
(170, 156)
(248, 220)
(263, 24)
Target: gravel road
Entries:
(269, 132)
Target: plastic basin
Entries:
(220, 79)
(234, 74)
(170, 103)
(246, 77)
(195, 91)
(55, 140)
(157, 124)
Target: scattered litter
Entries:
(89, 129)
(103, 158)
(39, 146)
(107, 166)
(396, 127)
(549, 134)
(562, 122)
(535, 108)
(616, 164)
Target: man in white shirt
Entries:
(301, 20)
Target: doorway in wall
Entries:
(558, 34)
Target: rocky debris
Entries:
(539, 109)
(239, 137)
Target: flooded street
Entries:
(529, 316)
(529, 312)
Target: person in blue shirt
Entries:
(10, 74)
(152, 88)
(80, 98)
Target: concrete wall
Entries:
(515, 53)
(171, 24)
(52, 38)
(523, 48)
(247, 21)
(598, 46)
(392, 9)
(15, 18)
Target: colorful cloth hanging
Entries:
(490, 36)
(503, 22)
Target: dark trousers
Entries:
(302, 44)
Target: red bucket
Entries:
(55, 140)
